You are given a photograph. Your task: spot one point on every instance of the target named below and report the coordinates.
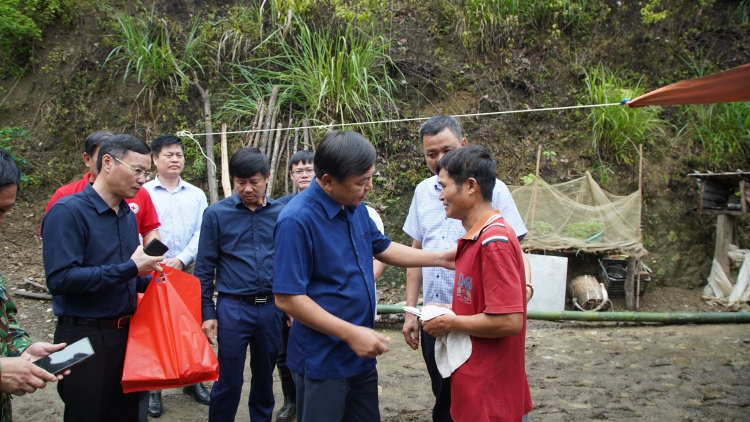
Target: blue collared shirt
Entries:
(427, 223)
(86, 251)
(327, 255)
(180, 213)
(236, 247)
(285, 199)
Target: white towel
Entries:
(451, 350)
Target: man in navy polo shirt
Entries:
(236, 248)
(324, 279)
(92, 259)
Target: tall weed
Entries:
(722, 132)
(334, 75)
(617, 130)
(142, 49)
(487, 23)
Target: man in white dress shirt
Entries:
(180, 207)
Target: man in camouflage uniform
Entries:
(18, 375)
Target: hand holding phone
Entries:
(155, 248)
(61, 360)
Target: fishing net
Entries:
(579, 215)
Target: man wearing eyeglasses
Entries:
(302, 173)
(140, 204)
(92, 261)
(180, 206)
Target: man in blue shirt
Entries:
(180, 207)
(92, 260)
(236, 248)
(324, 279)
(301, 171)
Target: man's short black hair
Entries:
(9, 173)
(471, 161)
(247, 162)
(94, 140)
(437, 124)
(164, 141)
(117, 146)
(344, 154)
(302, 156)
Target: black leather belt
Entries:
(252, 300)
(117, 323)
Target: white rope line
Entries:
(188, 134)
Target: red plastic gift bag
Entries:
(166, 345)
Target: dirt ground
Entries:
(577, 371)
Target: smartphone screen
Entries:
(67, 357)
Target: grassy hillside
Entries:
(137, 69)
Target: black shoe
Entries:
(154, 404)
(198, 392)
(287, 411)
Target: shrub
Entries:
(21, 23)
(617, 130)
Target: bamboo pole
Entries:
(296, 142)
(662, 317)
(254, 125)
(306, 133)
(270, 119)
(273, 158)
(638, 263)
(534, 192)
(260, 115)
(266, 145)
(286, 174)
(225, 184)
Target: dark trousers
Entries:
(353, 399)
(441, 387)
(242, 325)
(92, 391)
(284, 373)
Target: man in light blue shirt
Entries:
(431, 230)
(180, 207)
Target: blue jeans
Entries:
(353, 399)
(240, 325)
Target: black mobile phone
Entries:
(67, 357)
(155, 248)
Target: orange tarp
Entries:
(730, 86)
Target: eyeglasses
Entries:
(299, 172)
(138, 173)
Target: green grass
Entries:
(335, 75)
(721, 132)
(616, 131)
(489, 23)
(142, 49)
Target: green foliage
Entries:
(617, 130)
(363, 12)
(487, 23)
(584, 229)
(142, 48)
(722, 131)
(8, 135)
(21, 23)
(542, 228)
(742, 14)
(653, 11)
(334, 75)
